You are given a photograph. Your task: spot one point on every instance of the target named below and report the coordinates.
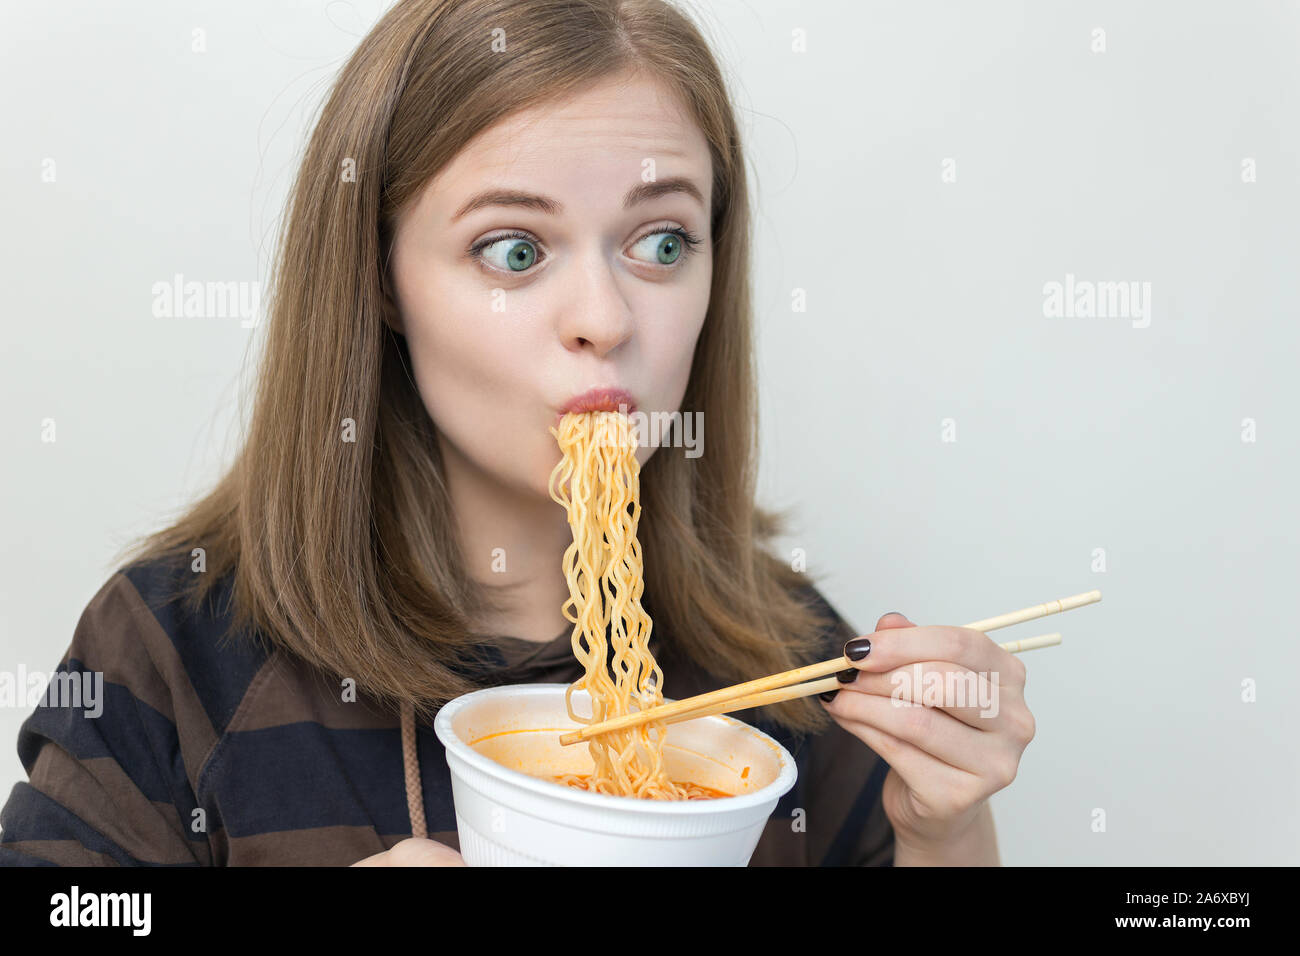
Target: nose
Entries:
(596, 316)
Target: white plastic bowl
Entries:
(496, 738)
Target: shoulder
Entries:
(144, 637)
(133, 714)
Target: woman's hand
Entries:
(951, 740)
(415, 851)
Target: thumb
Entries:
(893, 619)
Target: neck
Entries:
(513, 543)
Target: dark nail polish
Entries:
(828, 696)
(848, 676)
(857, 648)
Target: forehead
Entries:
(585, 150)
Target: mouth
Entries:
(600, 399)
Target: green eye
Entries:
(519, 250)
(520, 254)
(670, 247)
(667, 246)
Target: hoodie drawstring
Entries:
(411, 766)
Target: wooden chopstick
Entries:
(682, 709)
(833, 683)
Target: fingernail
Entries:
(857, 648)
(828, 696)
(848, 676)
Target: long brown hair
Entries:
(344, 552)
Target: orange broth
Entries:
(697, 791)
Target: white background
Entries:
(924, 303)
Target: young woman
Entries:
(503, 207)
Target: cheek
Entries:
(478, 378)
(452, 326)
(670, 351)
(669, 357)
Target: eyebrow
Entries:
(640, 193)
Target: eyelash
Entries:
(688, 238)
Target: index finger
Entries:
(900, 646)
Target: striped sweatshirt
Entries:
(209, 749)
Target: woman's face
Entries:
(548, 258)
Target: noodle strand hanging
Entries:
(598, 482)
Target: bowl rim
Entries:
(783, 783)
